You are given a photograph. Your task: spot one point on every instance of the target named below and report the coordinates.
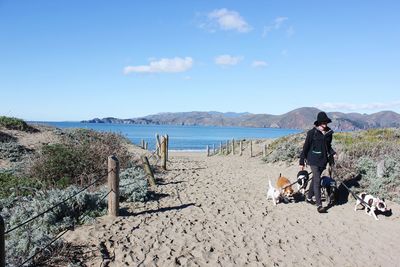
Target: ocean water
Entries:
(186, 138)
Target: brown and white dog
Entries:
(283, 185)
(374, 204)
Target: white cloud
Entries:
(290, 31)
(259, 64)
(227, 60)
(225, 19)
(171, 65)
(279, 21)
(275, 25)
(357, 107)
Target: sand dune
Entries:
(212, 211)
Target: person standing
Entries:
(317, 152)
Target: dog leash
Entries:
(283, 188)
(365, 204)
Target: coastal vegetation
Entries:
(42, 176)
(16, 124)
(79, 158)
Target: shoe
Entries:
(321, 209)
(310, 201)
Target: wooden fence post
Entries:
(227, 147)
(265, 151)
(146, 145)
(233, 146)
(158, 145)
(164, 153)
(213, 149)
(241, 147)
(167, 140)
(251, 148)
(2, 244)
(220, 148)
(113, 185)
(142, 144)
(208, 151)
(149, 172)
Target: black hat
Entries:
(322, 117)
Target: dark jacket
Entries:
(317, 148)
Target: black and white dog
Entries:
(302, 181)
(374, 203)
(328, 186)
(329, 189)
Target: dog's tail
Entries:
(269, 183)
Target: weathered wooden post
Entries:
(2, 244)
(233, 146)
(220, 148)
(158, 145)
(227, 147)
(208, 151)
(241, 147)
(213, 149)
(164, 153)
(167, 149)
(148, 170)
(146, 145)
(142, 144)
(113, 186)
(265, 151)
(251, 148)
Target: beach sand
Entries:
(213, 211)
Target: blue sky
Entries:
(73, 60)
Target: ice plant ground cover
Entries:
(83, 208)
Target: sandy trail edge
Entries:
(213, 211)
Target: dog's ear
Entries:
(383, 199)
(280, 174)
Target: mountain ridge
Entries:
(300, 118)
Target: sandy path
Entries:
(213, 212)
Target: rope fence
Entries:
(113, 194)
(159, 155)
(49, 209)
(46, 246)
(61, 234)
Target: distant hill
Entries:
(301, 118)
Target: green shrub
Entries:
(16, 124)
(375, 144)
(286, 149)
(80, 158)
(59, 165)
(387, 183)
(17, 186)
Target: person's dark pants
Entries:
(315, 187)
